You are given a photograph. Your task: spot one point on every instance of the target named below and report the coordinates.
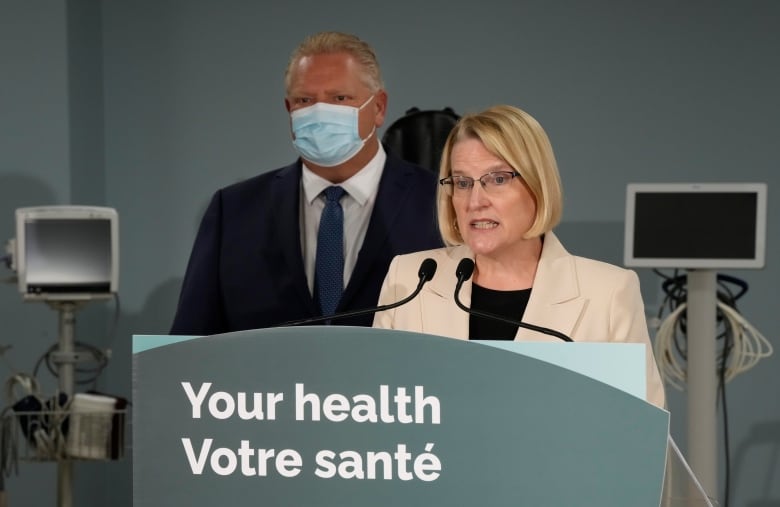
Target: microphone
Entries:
(464, 271)
(426, 272)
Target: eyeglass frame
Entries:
(449, 182)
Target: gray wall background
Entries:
(148, 106)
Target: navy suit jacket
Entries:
(246, 266)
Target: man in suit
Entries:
(256, 262)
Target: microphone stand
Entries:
(427, 270)
(464, 272)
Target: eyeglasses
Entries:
(491, 182)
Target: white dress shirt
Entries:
(357, 204)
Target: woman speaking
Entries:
(499, 199)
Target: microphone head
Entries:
(465, 269)
(427, 269)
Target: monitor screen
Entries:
(66, 252)
(695, 226)
(63, 255)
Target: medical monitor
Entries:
(695, 225)
(67, 252)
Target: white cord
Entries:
(749, 346)
(752, 345)
(23, 381)
(669, 365)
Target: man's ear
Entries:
(380, 105)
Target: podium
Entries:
(342, 416)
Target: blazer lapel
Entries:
(285, 220)
(393, 188)
(555, 298)
(439, 297)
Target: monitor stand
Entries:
(702, 379)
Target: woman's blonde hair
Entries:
(518, 139)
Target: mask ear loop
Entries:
(366, 102)
(373, 130)
(364, 141)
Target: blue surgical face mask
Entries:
(327, 134)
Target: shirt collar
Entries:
(361, 186)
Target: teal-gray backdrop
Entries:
(148, 106)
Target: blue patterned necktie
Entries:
(329, 265)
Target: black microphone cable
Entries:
(464, 271)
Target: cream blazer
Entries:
(587, 300)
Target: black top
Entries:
(504, 303)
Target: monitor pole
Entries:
(702, 378)
(66, 358)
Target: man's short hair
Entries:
(337, 42)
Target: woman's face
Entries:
(493, 219)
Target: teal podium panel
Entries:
(341, 416)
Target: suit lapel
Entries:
(285, 220)
(555, 298)
(393, 188)
(439, 297)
